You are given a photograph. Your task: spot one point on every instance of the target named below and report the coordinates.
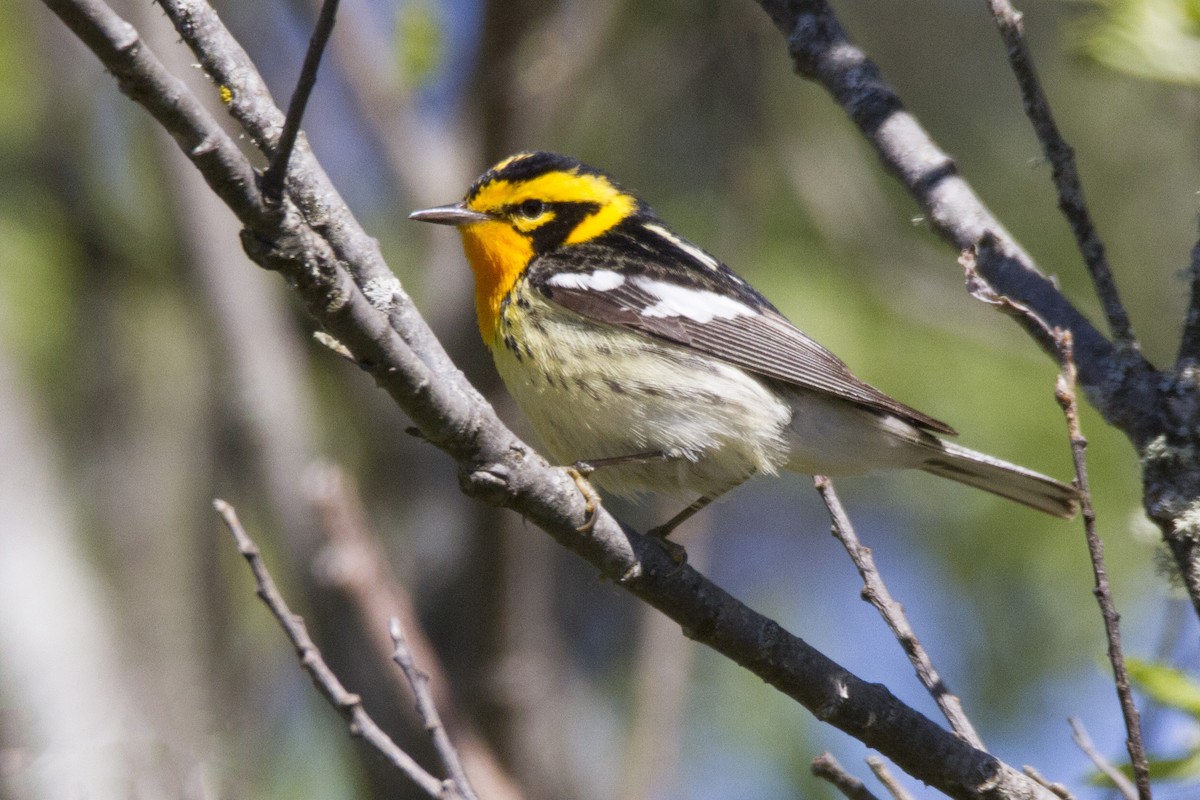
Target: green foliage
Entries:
(1154, 39)
(1174, 689)
(1167, 686)
(419, 36)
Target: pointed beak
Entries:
(456, 214)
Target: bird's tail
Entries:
(999, 477)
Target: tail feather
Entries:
(1002, 478)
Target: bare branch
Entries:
(885, 776)
(1084, 742)
(1066, 175)
(1189, 343)
(144, 79)
(1121, 384)
(1057, 788)
(248, 100)
(427, 709)
(276, 174)
(827, 768)
(1064, 392)
(347, 704)
(1158, 412)
(876, 593)
(353, 563)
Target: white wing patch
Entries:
(704, 259)
(601, 280)
(698, 305)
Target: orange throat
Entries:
(497, 255)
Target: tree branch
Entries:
(827, 768)
(1057, 789)
(1159, 412)
(143, 78)
(1064, 394)
(1084, 742)
(353, 563)
(390, 341)
(1189, 343)
(427, 709)
(250, 103)
(1066, 176)
(876, 593)
(885, 776)
(1120, 384)
(346, 703)
(276, 175)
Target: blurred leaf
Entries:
(419, 35)
(19, 91)
(1172, 688)
(1175, 769)
(1167, 686)
(1161, 769)
(1154, 39)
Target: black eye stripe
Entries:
(531, 209)
(549, 233)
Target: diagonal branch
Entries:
(885, 776)
(144, 79)
(248, 100)
(427, 709)
(1189, 344)
(1064, 394)
(875, 592)
(346, 703)
(276, 175)
(1120, 384)
(826, 767)
(1066, 175)
(387, 340)
(1084, 742)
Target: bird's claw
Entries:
(579, 474)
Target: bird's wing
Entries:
(684, 296)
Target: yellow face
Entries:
(522, 213)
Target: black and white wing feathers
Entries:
(642, 277)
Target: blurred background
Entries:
(146, 367)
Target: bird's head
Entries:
(527, 205)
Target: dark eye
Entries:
(531, 209)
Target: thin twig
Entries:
(1084, 742)
(145, 80)
(353, 564)
(1064, 392)
(821, 50)
(885, 776)
(1062, 163)
(875, 592)
(827, 768)
(276, 174)
(346, 703)
(1189, 343)
(427, 710)
(1057, 788)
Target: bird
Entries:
(651, 367)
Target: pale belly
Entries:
(714, 424)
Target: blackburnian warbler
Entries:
(636, 353)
